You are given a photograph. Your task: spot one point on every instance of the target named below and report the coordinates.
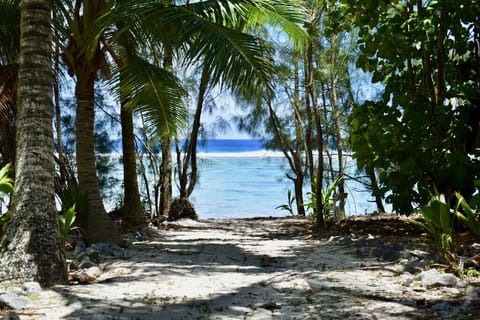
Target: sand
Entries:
(244, 269)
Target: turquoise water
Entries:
(240, 187)
(238, 178)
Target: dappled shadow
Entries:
(234, 271)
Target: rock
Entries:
(85, 263)
(80, 247)
(392, 253)
(93, 254)
(441, 307)
(415, 266)
(346, 241)
(364, 251)
(81, 277)
(181, 208)
(32, 287)
(93, 272)
(108, 249)
(432, 278)
(138, 236)
(11, 300)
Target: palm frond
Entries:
(289, 16)
(236, 59)
(208, 31)
(8, 83)
(9, 31)
(152, 91)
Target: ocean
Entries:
(240, 179)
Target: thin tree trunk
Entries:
(338, 129)
(187, 185)
(63, 179)
(311, 92)
(300, 169)
(95, 223)
(376, 191)
(31, 248)
(133, 215)
(166, 190)
(327, 140)
(166, 177)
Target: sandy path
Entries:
(235, 269)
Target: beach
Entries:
(247, 269)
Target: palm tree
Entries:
(31, 248)
(230, 58)
(85, 56)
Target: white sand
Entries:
(236, 269)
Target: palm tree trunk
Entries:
(96, 225)
(133, 215)
(31, 248)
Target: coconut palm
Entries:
(287, 16)
(85, 57)
(206, 34)
(31, 248)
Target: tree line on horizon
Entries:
(293, 66)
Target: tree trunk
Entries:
(133, 215)
(31, 248)
(95, 223)
(166, 190)
(338, 129)
(299, 139)
(375, 190)
(312, 94)
(188, 185)
(166, 176)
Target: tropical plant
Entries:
(329, 199)
(289, 205)
(439, 223)
(6, 187)
(467, 215)
(6, 183)
(66, 222)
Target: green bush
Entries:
(440, 218)
(438, 221)
(328, 199)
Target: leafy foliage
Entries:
(288, 206)
(440, 221)
(6, 183)
(424, 130)
(6, 187)
(468, 216)
(66, 222)
(439, 224)
(328, 199)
